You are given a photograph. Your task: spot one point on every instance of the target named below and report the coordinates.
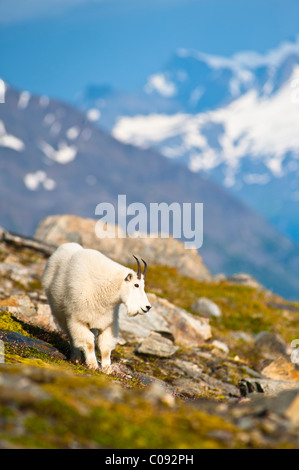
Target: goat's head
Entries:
(132, 291)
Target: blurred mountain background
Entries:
(173, 101)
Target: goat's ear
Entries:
(129, 277)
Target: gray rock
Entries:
(157, 392)
(19, 389)
(140, 327)
(17, 272)
(244, 279)
(184, 328)
(196, 379)
(188, 368)
(206, 308)
(271, 342)
(156, 345)
(188, 386)
(20, 306)
(219, 277)
(221, 346)
(59, 229)
(241, 336)
(266, 386)
(283, 306)
(188, 330)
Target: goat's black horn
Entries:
(145, 267)
(139, 268)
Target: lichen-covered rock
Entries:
(281, 369)
(25, 342)
(140, 327)
(20, 306)
(264, 385)
(157, 345)
(167, 319)
(188, 330)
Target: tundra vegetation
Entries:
(218, 394)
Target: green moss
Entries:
(35, 285)
(244, 308)
(133, 423)
(8, 322)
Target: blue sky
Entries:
(57, 47)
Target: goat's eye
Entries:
(136, 285)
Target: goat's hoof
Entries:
(115, 369)
(108, 369)
(92, 366)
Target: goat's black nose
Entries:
(148, 307)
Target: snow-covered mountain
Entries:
(235, 119)
(54, 159)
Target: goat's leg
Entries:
(106, 342)
(82, 339)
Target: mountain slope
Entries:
(54, 160)
(234, 118)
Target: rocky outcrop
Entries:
(212, 383)
(59, 229)
(244, 279)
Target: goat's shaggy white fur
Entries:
(84, 289)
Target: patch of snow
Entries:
(160, 84)
(93, 114)
(145, 131)
(33, 181)
(64, 154)
(24, 99)
(49, 119)
(247, 60)
(251, 125)
(196, 95)
(9, 140)
(2, 90)
(73, 132)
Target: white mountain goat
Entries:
(84, 289)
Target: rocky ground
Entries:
(210, 366)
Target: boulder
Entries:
(266, 386)
(281, 369)
(221, 346)
(270, 342)
(20, 306)
(166, 319)
(206, 308)
(24, 342)
(156, 345)
(140, 327)
(188, 330)
(244, 279)
(58, 229)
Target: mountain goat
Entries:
(84, 289)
